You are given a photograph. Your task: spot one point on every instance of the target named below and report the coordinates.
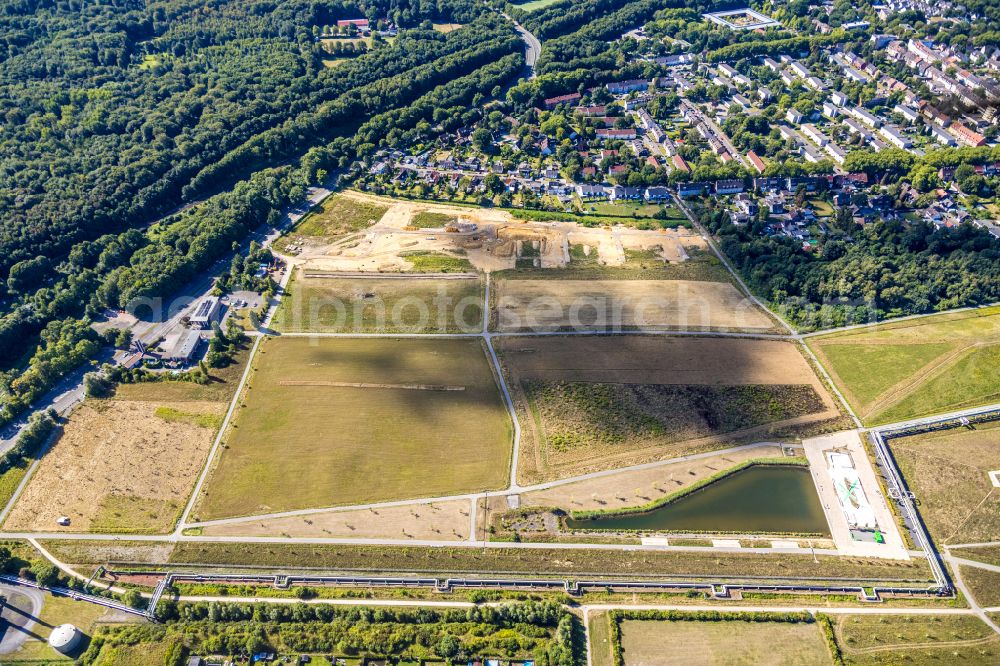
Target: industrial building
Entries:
(208, 311)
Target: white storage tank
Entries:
(65, 638)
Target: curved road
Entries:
(532, 47)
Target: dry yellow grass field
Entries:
(380, 305)
(691, 643)
(873, 640)
(441, 521)
(949, 473)
(128, 463)
(617, 304)
(641, 486)
(118, 468)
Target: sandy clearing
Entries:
(488, 238)
(640, 486)
(115, 451)
(615, 304)
(438, 521)
(657, 360)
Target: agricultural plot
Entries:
(949, 473)
(315, 302)
(915, 639)
(348, 421)
(908, 369)
(568, 304)
(689, 642)
(127, 464)
(594, 403)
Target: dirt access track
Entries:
(490, 239)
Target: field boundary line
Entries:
(216, 445)
(502, 383)
(934, 368)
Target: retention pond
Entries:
(761, 498)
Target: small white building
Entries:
(908, 113)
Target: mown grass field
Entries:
(380, 305)
(303, 436)
(601, 641)
(648, 642)
(447, 560)
(875, 640)
(948, 472)
(337, 215)
(901, 370)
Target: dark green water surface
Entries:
(761, 498)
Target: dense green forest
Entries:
(542, 631)
(885, 269)
(118, 113)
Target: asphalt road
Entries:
(19, 617)
(532, 47)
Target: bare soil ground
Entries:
(595, 403)
(616, 304)
(491, 240)
(438, 521)
(117, 467)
